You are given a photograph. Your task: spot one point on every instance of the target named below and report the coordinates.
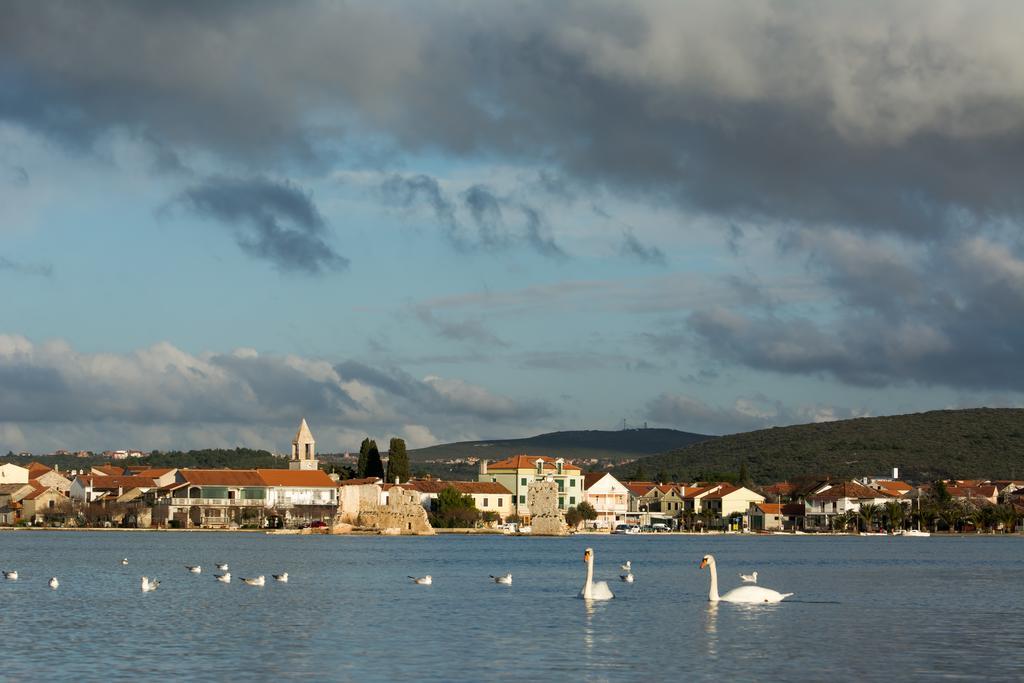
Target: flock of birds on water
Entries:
(599, 590)
(592, 590)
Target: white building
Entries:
(13, 474)
(608, 496)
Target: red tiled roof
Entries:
(782, 488)
(303, 478)
(640, 488)
(770, 508)
(523, 462)
(37, 492)
(723, 490)
(436, 486)
(117, 482)
(37, 469)
(110, 470)
(222, 477)
(848, 489)
(591, 478)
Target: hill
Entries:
(971, 443)
(584, 446)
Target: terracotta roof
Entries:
(37, 492)
(782, 488)
(847, 489)
(101, 482)
(222, 477)
(155, 471)
(303, 478)
(110, 470)
(639, 488)
(591, 478)
(37, 469)
(525, 462)
(722, 491)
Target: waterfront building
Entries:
(10, 501)
(834, 498)
(38, 472)
(776, 516)
(488, 496)
(89, 488)
(517, 472)
(44, 504)
(608, 496)
(729, 503)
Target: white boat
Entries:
(916, 533)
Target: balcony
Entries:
(218, 502)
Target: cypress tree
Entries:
(364, 451)
(398, 461)
(374, 466)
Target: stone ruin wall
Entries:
(545, 517)
(359, 506)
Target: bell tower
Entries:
(303, 449)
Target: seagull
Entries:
(148, 585)
(124, 561)
(627, 577)
(283, 578)
(749, 578)
(258, 581)
(54, 582)
(627, 566)
(223, 566)
(423, 580)
(223, 578)
(11, 575)
(195, 569)
(507, 579)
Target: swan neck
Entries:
(588, 587)
(713, 593)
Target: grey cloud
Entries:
(632, 247)
(467, 329)
(56, 394)
(273, 221)
(831, 116)
(407, 192)
(38, 269)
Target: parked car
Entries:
(659, 526)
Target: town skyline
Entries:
(445, 222)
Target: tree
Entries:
(573, 518)
(896, 513)
(454, 510)
(364, 452)
(398, 461)
(950, 514)
(868, 512)
(374, 465)
(587, 511)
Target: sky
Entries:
(460, 220)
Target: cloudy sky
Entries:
(457, 220)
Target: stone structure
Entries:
(359, 505)
(545, 517)
(303, 449)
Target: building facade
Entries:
(517, 472)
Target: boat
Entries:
(916, 533)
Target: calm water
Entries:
(865, 608)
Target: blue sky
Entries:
(454, 221)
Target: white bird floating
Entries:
(223, 566)
(423, 580)
(592, 590)
(749, 578)
(258, 581)
(283, 577)
(627, 566)
(54, 582)
(223, 578)
(11, 575)
(506, 579)
(627, 577)
(194, 568)
(148, 585)
(124, 561)
(743, 594)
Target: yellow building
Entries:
(517, 472)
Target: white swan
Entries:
(148, 585)
(506, 579)
(283, 577)
(423, 580)
(591, 590)
(11, 575)
(223, 578)
(195, 569)
(54, 583)
(258, 581)
(627, 566)
(627, 577)
(749, 578)
(743, 594)
(223, 566)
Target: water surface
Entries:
(870, 608)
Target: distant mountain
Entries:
(605, 446)
(971, 443)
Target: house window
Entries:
(572, 483)
(485, 502)
(561, 485)
(522, 481)
(522, 500)
(572, 500)
(561, 503)
(499, 502)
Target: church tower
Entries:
(303, 449)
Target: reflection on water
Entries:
(349, 612)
